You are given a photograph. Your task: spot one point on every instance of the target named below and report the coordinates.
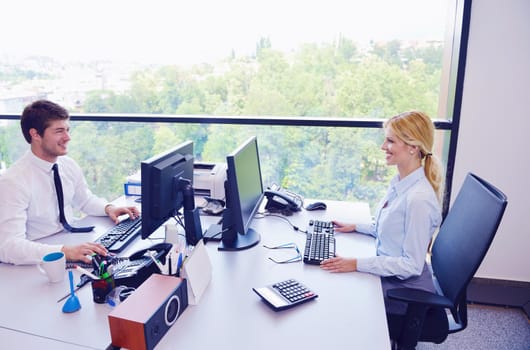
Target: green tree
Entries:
(325, 80)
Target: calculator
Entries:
(285, 294)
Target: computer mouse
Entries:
(316, 206)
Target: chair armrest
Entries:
(418, 296)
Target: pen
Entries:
(86, 272)
(158, 264)
(179, 264)
(110, 269)
(169, 262)
(102, 268)
(96, 260)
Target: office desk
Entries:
(349, 311)
(17, 340)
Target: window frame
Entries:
(449, 105)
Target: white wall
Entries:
(494, 138)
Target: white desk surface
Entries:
(349, 311)
(12, 339)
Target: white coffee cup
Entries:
(53, 265)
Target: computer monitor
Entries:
(165, 179)
(244, 193)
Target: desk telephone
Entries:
(133, 271)
(127, 271)
(279, 199)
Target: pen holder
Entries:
(101, 288)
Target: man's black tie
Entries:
(60, 200)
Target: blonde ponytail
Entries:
(434, 173)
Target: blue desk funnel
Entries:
(72, 303)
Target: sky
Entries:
(179, 31)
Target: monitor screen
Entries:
(164, 178)
(244, 192)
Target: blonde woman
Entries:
(409, 214)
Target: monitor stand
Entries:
(248, 240)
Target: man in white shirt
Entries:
(29, 208)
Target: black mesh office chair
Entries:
(458, 250)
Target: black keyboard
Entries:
(285, 294)
(121, 235)
(112, 260)
(320, 242)
(317, 226)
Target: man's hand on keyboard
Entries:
(82, 252)
(339, 264)
(115, 212)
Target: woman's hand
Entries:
(339, 264)
(343, 227)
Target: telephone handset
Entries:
(139, 266)
(279, 199)
(161, 249)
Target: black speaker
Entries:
(142, 319)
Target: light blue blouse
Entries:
(404, 224)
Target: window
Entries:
(316, 60)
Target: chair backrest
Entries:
(465, 236)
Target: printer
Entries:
(209, 179)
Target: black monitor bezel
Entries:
(236, 231)
(182, 153)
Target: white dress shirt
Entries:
(405, 222)
(29, 209)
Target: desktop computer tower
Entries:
(142, 319)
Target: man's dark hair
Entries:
(38, 116)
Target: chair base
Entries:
(435, 328)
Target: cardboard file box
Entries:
(132, 189)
